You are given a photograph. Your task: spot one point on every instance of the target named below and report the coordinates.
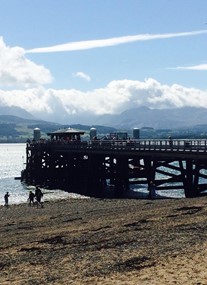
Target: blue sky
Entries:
(151, 52)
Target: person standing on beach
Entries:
(31, 198)
(152, 190)
(38, 195)
(6, 199)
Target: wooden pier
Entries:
(94, 167)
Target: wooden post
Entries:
(121, 176)
(189, 189)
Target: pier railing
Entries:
(160, 145)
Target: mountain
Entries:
(16, 129)
(15, 111)
(157, 119)
(134, 118)
(9, 119)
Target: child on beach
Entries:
(31, 198)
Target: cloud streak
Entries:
(91, 44)
(194, 67)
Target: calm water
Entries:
(12, 161)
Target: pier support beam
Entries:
(191, 180)
(121, 176)
(150, 167)
(95, 180)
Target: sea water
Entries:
(12, 162)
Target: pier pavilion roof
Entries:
(63, 133)
(66, 132)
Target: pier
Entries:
(96, 166)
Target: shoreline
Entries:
(105, 241)
(48, 195)
(58, 194)
(75, 196)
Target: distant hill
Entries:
(13, 127)
(19, 129)
(139, 117)
(17, 120)
(134, 118)
(157, 119)
(16, 129)
(16, 111)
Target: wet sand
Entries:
(100, 241)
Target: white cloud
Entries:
(194, 67)
(31, 100)
(119, 95)
(17, 70)
(82, 75)
(83, 45)
(116, 97)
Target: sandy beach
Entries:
(105, 241)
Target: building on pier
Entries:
(68, 134)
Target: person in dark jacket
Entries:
(6, 199)
(31, 198)
(38, 196)
(152, 190)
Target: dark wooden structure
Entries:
(91, 167)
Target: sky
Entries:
(62, 58)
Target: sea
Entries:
(12, 162)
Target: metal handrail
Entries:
(176, 145)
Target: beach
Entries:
(105, 241)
